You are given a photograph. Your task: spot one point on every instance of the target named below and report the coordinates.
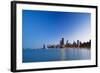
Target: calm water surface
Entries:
(55, 54)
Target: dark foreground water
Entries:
(55, 54)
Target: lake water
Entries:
(55, 54)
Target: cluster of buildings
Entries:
(77, 44)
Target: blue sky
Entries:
(48, 27)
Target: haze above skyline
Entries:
(48, 27)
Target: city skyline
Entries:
(48, 27)
(67, 44)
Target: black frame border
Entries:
(13, 35)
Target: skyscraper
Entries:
(62, 42)
(78, 43)
(44, 46)
(67, 43)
